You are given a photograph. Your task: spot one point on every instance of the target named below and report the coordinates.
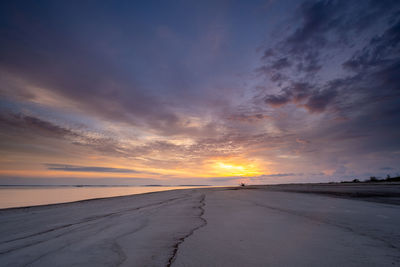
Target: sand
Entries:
(251, 226)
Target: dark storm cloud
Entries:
(374, 72)
(315, 100)
(278, 100)
(320, 100)
(303, 44)
(317, 19)
(281, 64)
(380, 51)
(355, 47)
(325, 23)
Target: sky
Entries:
(198, 92)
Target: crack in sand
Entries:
(120, 252)
(115, 247)
(87, 220)
(63, 246)
(182, 239)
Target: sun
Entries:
(230, 167)
(233, 169)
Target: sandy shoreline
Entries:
(251, 226)
(377, 192)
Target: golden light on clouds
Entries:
(234, 168)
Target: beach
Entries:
(287, 225)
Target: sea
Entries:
(25, 196)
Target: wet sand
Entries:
(250, 226)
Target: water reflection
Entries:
(40, 195)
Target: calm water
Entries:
(18, 196)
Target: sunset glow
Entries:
(301, 92)
(228, 169)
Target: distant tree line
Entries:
(374, 179)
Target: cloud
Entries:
(281, 63)
(31, 129)
(295, 93)
(302, 141)
(380, 51)
(317, 18)
(324, 26)
(59, 67)
(15, 180)
(326, 23)
(280, 175)
(10, 121)
(75, 168)
(244, 117)
(277, 100)
(329, 75)
(351, 91)
(303, 94)
(319, 101)
(224, 179)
